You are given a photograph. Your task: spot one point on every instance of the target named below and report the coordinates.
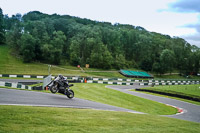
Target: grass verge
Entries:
(181, 99)
(23, 119)
(99, 93)
(185, 89)
(192, 91)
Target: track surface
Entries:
(191, 111)
(22, 97)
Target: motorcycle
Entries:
(61, 85)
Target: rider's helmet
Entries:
(60, 76)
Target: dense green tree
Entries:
(101, 57)
(158, 68)
(197, 62)
(34, 16)
(27, 47)
(2, 32)
(12, 22)
(13, 38)
(167, 60)
(47, 52)
(57, 42)
(75, 52)
(146, 64)
(120, 62)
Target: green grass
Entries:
(99, 93)
(24, 119)
(181, 99)
(186, 89)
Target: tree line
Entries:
(57, 39)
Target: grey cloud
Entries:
(185, 6)
(195, 37)
(188, 6)
(194, 26)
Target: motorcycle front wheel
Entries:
(70, 94)
(54, 88)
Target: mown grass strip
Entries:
(189, 92)
(24, 119)
(185, 100)
(172, 93)
(186, 89)
(99, 93)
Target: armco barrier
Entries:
(21, 76)
(119, 81)
(172, 81)
(20, 86)
(71, 77)
(114, 81)
(16, 85)
(152, 84)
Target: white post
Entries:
(49, 69)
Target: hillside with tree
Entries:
(55, 38)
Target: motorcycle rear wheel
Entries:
(54, 88)
(70, 94)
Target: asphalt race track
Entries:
(191, 111)
(32, 98)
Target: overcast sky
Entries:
(172, 17)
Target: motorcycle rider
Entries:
(61, 85)
(64, 81)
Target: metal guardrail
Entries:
(152, 84)
(114, 81)
(15, 85)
